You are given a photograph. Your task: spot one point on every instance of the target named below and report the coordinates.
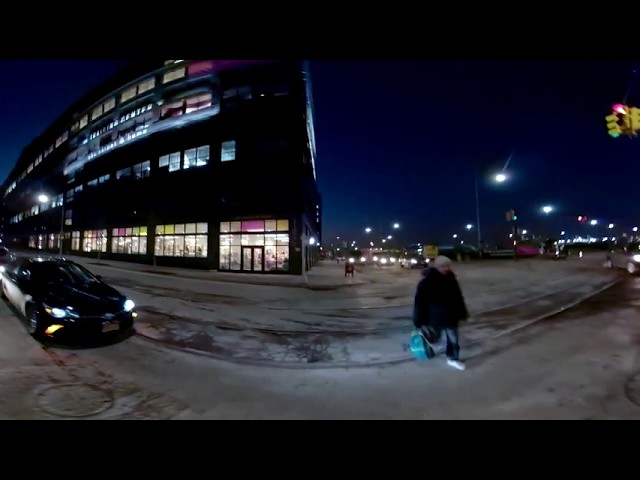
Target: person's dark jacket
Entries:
(439, 302)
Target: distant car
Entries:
(59, 297)
(385, 259)
(414, 261)
(627, 257)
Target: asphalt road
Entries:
(582, 364)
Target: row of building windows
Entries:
(98, 111)
(239, 250)
(190, 158)
(174, 108)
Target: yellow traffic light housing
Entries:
(634, 120)
(613, 126)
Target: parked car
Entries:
(58, 297)
(627, 257)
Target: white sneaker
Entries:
(456, 364)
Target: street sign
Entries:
(430, 251)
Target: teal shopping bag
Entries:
(420, 347)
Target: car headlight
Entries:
(636, 258)
(129, 305)
(414, 261)
(2, 269)
(363, 259)
(375, 259)
(56, 312)
(352, 260)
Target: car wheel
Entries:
(631, 268)
(608, 263)
(34, 326)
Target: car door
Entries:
(9, 281)
(17, 281)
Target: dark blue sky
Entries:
(400, 140)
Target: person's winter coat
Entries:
(438, 301)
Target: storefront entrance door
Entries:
(252, 259)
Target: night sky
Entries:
(399, 141)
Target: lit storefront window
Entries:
(254, 245)
(129, 240)
(75, 240)
(94, 241)
(182, 240)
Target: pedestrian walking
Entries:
(440, 306)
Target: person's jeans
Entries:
(453, 347)
(451, 335)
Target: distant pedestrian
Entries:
(348, 269)
(439, 307)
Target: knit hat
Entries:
(442, 261)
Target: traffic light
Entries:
(623, 120)
(582, 219)
(511, 215)
(634, 120)
(613, 125)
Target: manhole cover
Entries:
(74, 400)
(632, 389)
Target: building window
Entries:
(269, 237)
(172, 161)
(125, 172)
(173, 75)
(92, 183)
(228, 151)
(138, 89)
(196, 103)
(53, 241)
(129, 241)
(68, 216)
(185, 105)
(104, 178)
(147, 85)
(181, 240)
(84, 121)
(196, 157)
(75, 240)
(142, 170)
(95, 241)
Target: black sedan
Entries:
(58, 296)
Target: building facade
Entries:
(195, 163)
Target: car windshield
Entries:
(63, 272)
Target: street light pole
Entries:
(478, 213)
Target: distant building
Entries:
(194, 163)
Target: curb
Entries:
(239, 281)
(380, 363)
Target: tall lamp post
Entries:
(42, 198)
(499, 178)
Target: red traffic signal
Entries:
(582, 219)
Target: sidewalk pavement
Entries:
(325, 275)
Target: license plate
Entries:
(110, 327)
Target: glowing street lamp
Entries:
(500, 177)
(611, 225)
(396, 225)
(368, 229)
(593, 222)
(469, 226)
(547, 209)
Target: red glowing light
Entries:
(619, 108)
